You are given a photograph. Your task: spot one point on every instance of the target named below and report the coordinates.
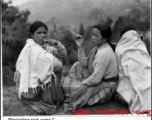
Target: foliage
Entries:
(68, 41)
(97, 14)
(87, 34)
(51, 23)
(14, 34)
(139, 17)
(81, 29)
(108, 21)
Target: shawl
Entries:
(134, 71)
(34, 64)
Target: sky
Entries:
(18, 2)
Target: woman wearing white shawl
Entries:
(38, 71)
(134, 71)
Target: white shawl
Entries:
(134, 71)
(34, 63)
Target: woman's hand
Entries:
(79, 41)
(52, 42)
(39, 82)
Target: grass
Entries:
(12, 106)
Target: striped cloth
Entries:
(78, 94)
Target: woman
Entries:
(94, 78)
(38, 71)
(134, 71)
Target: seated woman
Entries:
(134, 71)
(94, 78)
(38, 71)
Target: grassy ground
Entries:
(12, 106)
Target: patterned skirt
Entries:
(78, 94)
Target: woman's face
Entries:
(39, 35)
(97, 38)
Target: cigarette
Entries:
(76, 36)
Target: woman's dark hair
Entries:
(125, 29)
(105, 31)
(35, 25)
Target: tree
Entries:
(81, 29)
(87, 34)
(97, 14)
(68, 41)
(109, 21)
(139, 17)
(14, 34)
(52, 22)
(121, 21)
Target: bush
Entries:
(73, 57)
(8, 76)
